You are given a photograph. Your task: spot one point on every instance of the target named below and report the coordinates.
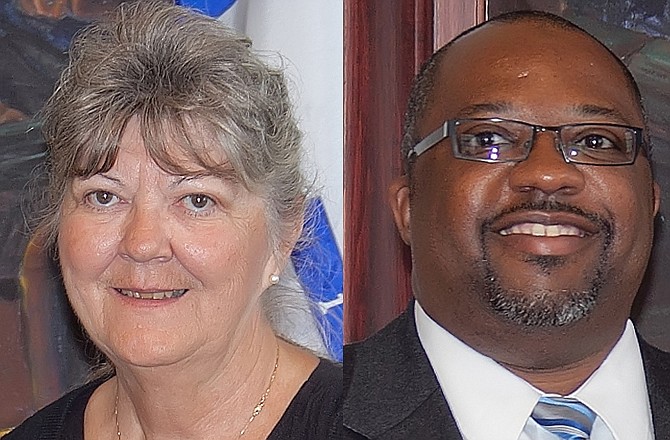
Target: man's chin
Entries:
(546, 263)
(537, 290)
(541, 307)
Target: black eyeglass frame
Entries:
(449, 127)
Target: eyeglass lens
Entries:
(499, 140)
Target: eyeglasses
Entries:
(496, 140)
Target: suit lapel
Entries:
(391, 389)
(378, 405)
(657, 372)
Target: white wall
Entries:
(308, 34)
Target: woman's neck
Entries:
(209, 395)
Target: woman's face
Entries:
(159, 267)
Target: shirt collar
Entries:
(617, 390)
(477, 388)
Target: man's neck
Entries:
(562, 380)
(552, 359)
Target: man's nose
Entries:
(144, 236)
(545, 170)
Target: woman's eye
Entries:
(102, 198)
(197, 202)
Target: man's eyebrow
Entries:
(596, 110)
(487, 108)
(501, 108)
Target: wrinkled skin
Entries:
(138, 228)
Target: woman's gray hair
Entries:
(187, 79)
(196, 89)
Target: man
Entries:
(528, 203)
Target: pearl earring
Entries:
(274, 279)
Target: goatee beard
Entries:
(541, 307)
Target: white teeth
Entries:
(158, 295)
(552, 231)
(540, 230)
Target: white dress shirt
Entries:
(490, 402)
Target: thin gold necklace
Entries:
(261, 403)
(257, 409)
(116, 411)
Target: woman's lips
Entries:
(152, 294)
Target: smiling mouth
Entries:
(154, 295)
(541, 230)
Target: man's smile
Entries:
(546, 229)
(540, 230)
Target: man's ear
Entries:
(657, 197)
(399, 202)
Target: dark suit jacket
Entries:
(391, 391)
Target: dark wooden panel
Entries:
(385, 41)
(454, 16)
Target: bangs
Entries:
(178, 142)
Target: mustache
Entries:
(551, 206)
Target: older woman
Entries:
(176, 197)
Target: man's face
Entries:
(538, 243)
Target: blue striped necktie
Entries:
(567, 419)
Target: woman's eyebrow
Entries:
(227, 175)
(107, 176)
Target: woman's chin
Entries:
(151, 350)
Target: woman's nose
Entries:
(144, 237)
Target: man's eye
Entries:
(486, 139)
(197, 202)
(596, 142)
(102, 198)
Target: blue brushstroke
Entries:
(318, 264)
(213, 8)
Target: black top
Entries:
(315, 413)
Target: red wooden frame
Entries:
(385, 41)
(453, 17)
